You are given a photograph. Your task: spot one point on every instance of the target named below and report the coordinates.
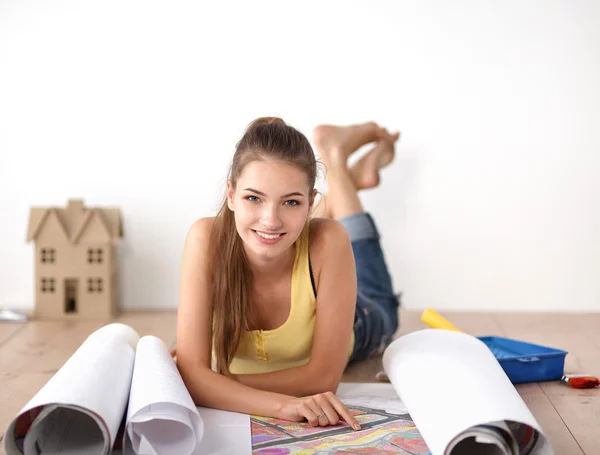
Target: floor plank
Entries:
(8, 329)
(43, 345)
(582, 416)
(552, 425)
(547, 322)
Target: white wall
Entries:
(492, 203)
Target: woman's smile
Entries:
(266, 238)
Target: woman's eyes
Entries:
(290, 202)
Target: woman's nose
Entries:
(270, 217)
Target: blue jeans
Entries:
(376, 316)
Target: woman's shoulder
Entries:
(200, 229)
(327, 237)
(326, 232)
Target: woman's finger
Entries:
(324, 403)
(322, 415)
(342, 410)
(305, 410)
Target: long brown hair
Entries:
(264, 138)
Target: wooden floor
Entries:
(30, 353)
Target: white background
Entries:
(493, 202)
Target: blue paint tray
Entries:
(526, 362)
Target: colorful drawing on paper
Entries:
(381, 433)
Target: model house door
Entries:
(71, 285)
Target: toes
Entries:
(372, 126)
(318, 132)
(385, 134)
(382, 133)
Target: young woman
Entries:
(274, 303)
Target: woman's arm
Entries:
(194, 333)
(336, 305)
(211, 389)
(298, 382)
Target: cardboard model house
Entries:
(76, 261)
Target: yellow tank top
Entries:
(289, 345)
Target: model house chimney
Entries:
(75, 205)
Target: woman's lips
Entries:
(265, 240)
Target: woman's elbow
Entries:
(332, 384)
(326, 381)
(193, 376)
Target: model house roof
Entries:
(75, 221)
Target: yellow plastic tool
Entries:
(435, 320)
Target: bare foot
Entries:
(365, 172)
(340, 141)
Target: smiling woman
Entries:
(252, 336)
(274, 214)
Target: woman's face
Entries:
(271, 203)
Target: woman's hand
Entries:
(322, 410)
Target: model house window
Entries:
(47, 285)
(95, 255)
(95, 285)
(48, 255)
